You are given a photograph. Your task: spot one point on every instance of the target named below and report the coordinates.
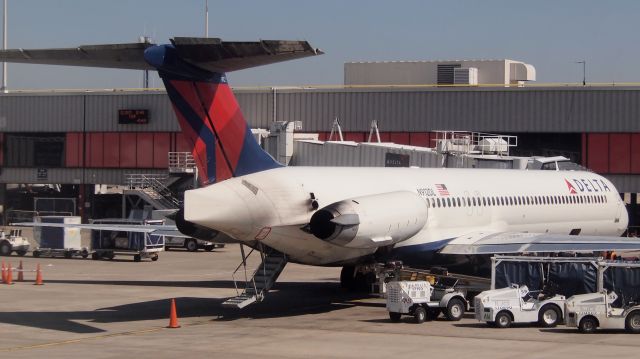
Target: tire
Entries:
(503, 320)
(347, 278)
(137, 258)
(209, 248)
(632, 323)
(155, 258)
(84, 253)
(21, 253)
(5, 249)
(395, 317)
(588, 325)
(95, 256)
(36, 254)
(549, 316)
(420, 314)
(455, 309)
(433, 313)
(191, 245)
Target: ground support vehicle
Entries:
(107, 244)
(516, 304)
(422, 301)
(190, 244)
(13, 242)
(58, 242)
(616, 304)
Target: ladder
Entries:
(264, 277)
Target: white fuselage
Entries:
(274, 205)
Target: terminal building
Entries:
(62, 144)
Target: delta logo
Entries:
(580, 185)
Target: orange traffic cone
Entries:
(9, 275)
(173, 316)
(38, 276)
(20, 275)
(4, 273)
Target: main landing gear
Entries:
(355, 279)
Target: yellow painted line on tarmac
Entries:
(72, 341)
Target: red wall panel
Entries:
(144, 150)
(354, 136)
(72, 149)
(161, 148)
(95, 149)
(182, 143)
(127, 149)
(421, 139)
(619, 153)
(635, 153)
(598, 152)
(401, 138)
(112, 150)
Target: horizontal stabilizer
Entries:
(211, 54)
(513, 242)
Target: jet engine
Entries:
(370, 221)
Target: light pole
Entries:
(4, 47)
(584, 71)
(206, 18)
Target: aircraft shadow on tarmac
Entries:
(286, 299)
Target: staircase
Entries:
(256, 288)
(153, 190)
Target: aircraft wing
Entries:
(160, 230)
(210, 54)
(515, 242)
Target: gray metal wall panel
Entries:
(625, 183)
(102, 112)
(40, 113)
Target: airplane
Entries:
(344, 216)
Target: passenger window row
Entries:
(499, 201)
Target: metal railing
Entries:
(16, 216)
(465, 142)
(153, 185)
(181, 162)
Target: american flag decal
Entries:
(442, 189)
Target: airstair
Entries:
(264, 277)
(152, 189)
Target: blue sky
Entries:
(550, 34)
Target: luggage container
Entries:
(107, 244)
(58, 242)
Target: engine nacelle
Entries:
(371, 221)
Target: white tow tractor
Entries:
(423, 301)
(13, 242)
(591, 311)
(516, 304)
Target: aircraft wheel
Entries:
(549, 316)
(588, 325)
(420, 315)
(395, 317)
(503, 320)
(455, 309)
(632, 323)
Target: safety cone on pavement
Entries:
(20, 275)
(4, 273)
(38, 276)
(9, 277)
(173, 316)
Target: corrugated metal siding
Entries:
(574, 109)
(40, 113)
(625, 183)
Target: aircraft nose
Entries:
(218, 207)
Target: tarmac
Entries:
(120, 308)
